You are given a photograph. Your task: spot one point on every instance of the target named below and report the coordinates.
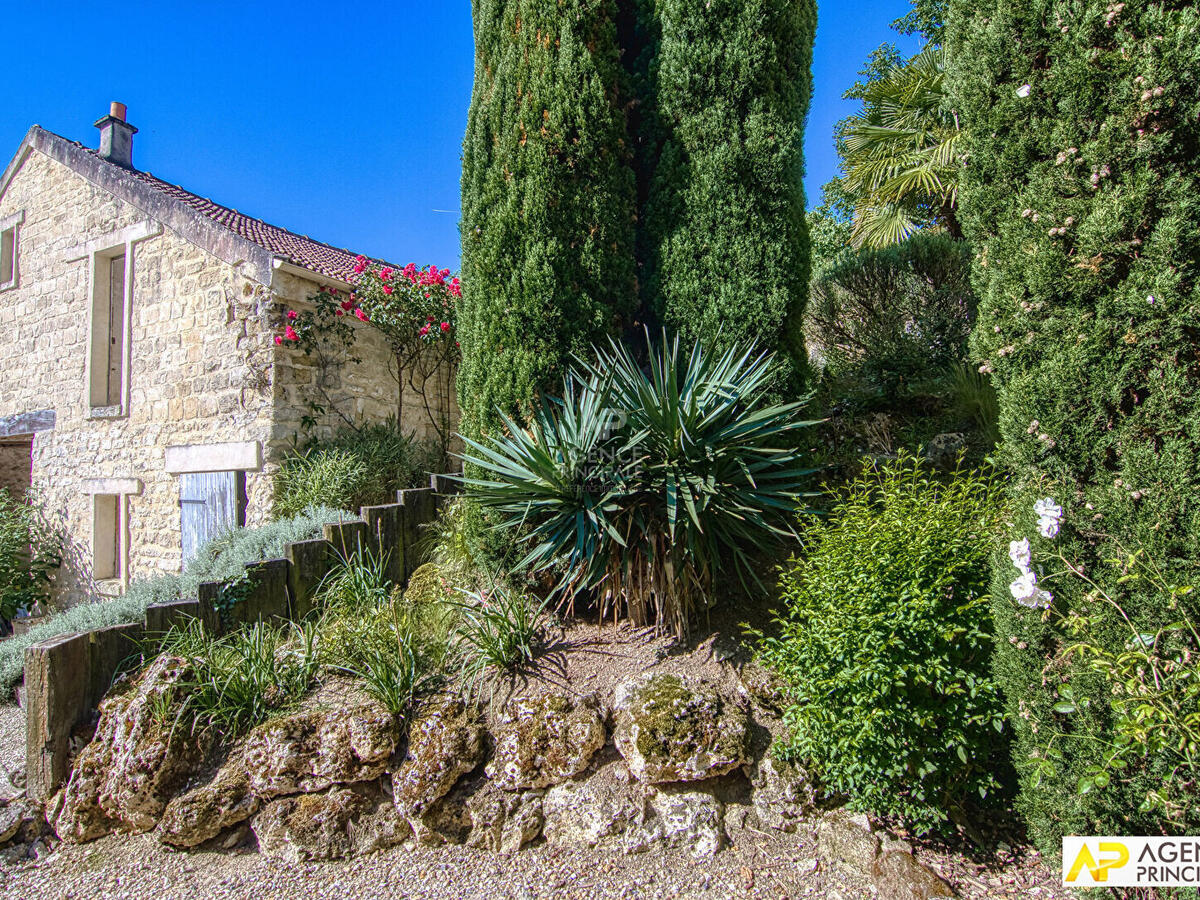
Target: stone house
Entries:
(141, 389)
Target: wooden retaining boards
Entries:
(66, 677)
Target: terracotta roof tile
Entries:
(300, 250)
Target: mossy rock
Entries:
(446, 740)
(672, 729)
(543, 741)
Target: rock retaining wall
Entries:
(67, 676)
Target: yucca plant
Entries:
(640, 484)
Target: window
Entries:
(8, 250)
(110, 305)
(107, 526)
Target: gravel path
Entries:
(12, 749)
(123, 867)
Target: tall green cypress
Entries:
(548, 199)
(725, 91)
(1082, 202)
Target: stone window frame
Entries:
(9, 250)
(110, 499)
(97, 252)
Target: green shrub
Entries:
(1081, 200)
(894, 314)
(355, 468)
(498, 631)
(886, 642)
(724, 92)
(395, 645)
(223, 559)
(30, 551)
(548, 201)
(241, 678)
(649, 481)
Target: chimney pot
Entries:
(116, 136)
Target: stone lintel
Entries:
(233, 457)
(112, 486)
(27, 423)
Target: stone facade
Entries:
(202, 365)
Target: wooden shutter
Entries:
(210, 504)
(116, 329)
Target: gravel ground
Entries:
(12, 750)
(124, 867)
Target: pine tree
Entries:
(1081, 199)
(724, 89)
(548, 196)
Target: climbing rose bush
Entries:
(412, 307)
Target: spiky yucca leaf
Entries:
(642, 482)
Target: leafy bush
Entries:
(238, 680)
(894, 313)
(1148, 752)
(353, 469)
(1081, 200)
(886, 642)
(223, 559)
(648, 482)
(30, 550)
(395, 645)
(499, 630)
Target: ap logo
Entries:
(1109, 855)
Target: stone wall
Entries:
(199, 370)
(355, 393)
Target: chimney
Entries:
(116, 136)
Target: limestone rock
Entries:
(138, 759)
(21, 821)
(312, 751)
(682, 819)
(445, 742)
(335, 824)
(900, 877)
(202, 813)
(447, 820)
(944, 449)
(585, 813)
(846, 839)
(543, 741)
(670, 729)
(504, 821)
(782, 794)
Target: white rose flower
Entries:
(1021, 554)
(1023, 91)
(1048, 527)
(1025, 588)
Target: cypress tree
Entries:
(1082, 202)
(725, 87)
(548, 200)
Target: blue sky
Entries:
(341, 122)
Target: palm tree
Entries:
(902, 154)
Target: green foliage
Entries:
(1081, 199)
(548, 201)
(31, 550)
(356, 467)
(223, 559)
(238, 680)
(902, 153)
(395, 645)
(649, 481)
(896, 313)
(975, 398)
(829, 229)
(885, 645)
(726, 88)
(499, 630)
(1154, 685)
